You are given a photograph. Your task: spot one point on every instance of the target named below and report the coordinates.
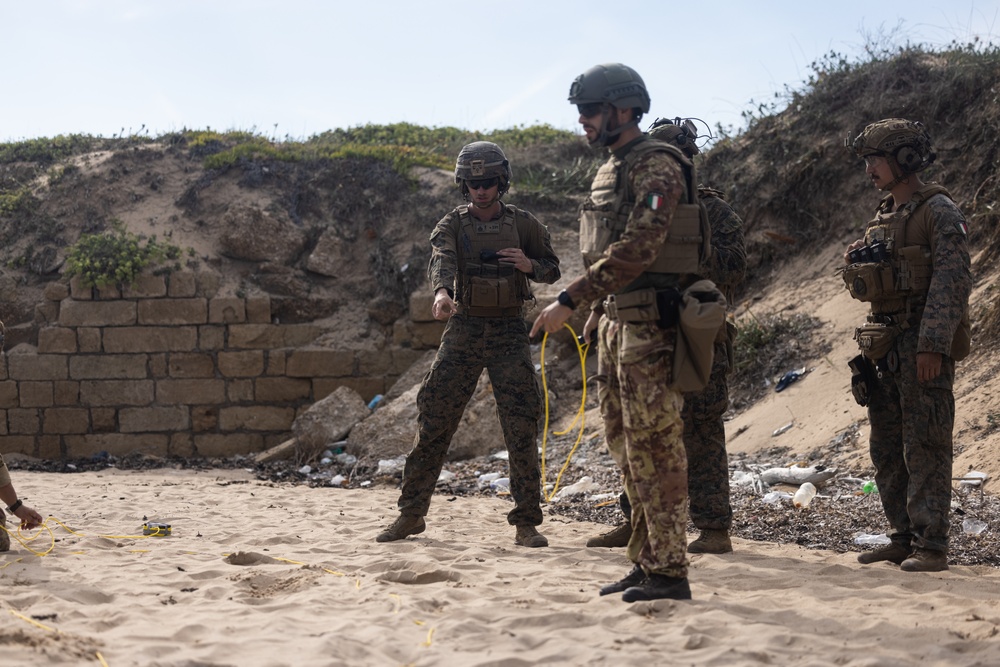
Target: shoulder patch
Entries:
(962, 227)
(654, 200)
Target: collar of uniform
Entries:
(624, 150)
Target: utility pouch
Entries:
(863, 379)
(876, 339)
(702, 312)
(868, 281)
(488, 292)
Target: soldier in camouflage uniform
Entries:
(482, 255)
(8, 496)
(913, 268)
(704, 430)
(639, 193)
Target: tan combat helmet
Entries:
(480, 160)
(678, 132)
(905, 141)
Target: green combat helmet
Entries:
(610, 85)
(678, 132)
(480, 160)
(905, 141)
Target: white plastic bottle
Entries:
(804, 495)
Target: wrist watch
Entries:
(564, 299)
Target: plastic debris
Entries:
(973, 479)
(446, 476)
(973, 526)
(391, 466)
(869, 487)
(789, 377)
(781, 429)
(871, 540)
(586, 484)
(375, 401)
(776, 497)
(804, 495)
(305, 470)
(501, 484)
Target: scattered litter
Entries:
(446, 476)
(973, 479)
(973, 526)
(871, 540)
(586, 484)
(790, 377)
(305, 470)
(772, 497)
(781, 429)
(391, 466)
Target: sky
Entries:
(295, 68)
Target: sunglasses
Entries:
(590, 109)
(483, 184)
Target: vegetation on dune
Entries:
(116, 256)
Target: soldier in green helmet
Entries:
(704, 430)
(483, 254)
(636, 269)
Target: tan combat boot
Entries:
(712, 542)
(528, 536)
(617, 537)
(4, 537)
(406, 524)
(895, 553)
(925, 560)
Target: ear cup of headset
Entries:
(908, 158)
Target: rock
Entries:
(253, 235)
(391, 429)
(327, 421)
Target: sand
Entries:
(260, 574)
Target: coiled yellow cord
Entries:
(580, 413)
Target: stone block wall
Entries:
(167, 367)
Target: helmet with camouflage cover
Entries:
(479, 160)
(679, 132)
(905, 141)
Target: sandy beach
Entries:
(260, 574)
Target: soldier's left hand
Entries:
(551, 318)
(516, 257)
(928, 366)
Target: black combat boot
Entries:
(633, 578)
(659, 587)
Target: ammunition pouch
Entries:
(870, 281)
(863, 379)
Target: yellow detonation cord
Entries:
(580, 413)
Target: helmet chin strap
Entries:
(609, 135)
(897, 173)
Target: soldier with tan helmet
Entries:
(704, 431)
(913, 269)
(637, 267)
(483, 254)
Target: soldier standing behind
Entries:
(913, 268)
(482, 255)
(636, 197)
(704, 430)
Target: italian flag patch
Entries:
(963, 227)
(654, 200)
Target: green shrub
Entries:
(116, 256)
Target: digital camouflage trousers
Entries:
(470, 344)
